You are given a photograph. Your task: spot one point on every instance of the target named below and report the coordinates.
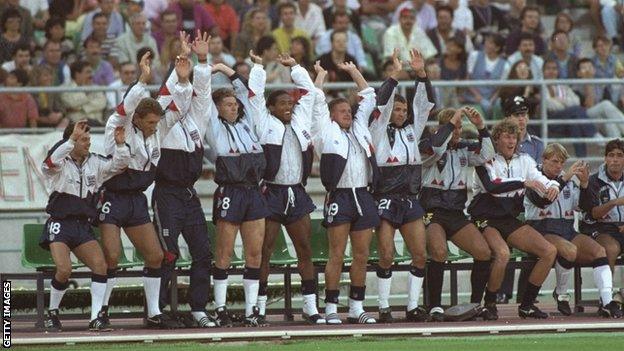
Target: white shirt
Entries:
(9, 66)
(291, 163)
(357, 170)
(394, 38)
(34, 6)
(536, 65)
(313, 22)
(489, 64)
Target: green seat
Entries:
(320, 242)
(404, 256)
(280, 255)
(33, 255)
(236, 261)
(515, 253)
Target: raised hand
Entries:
(80, 128)
(146, 69)
(457, 117)
(183, 69)
(397, 65)
(347, 66)
(475, 117)
(201, 45)
(120, 135)
(417, 62)
(255, 58)
(186, 47)
(287, 60)
(582, 173)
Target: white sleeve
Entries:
(201, 100)
(320, 120)
(182, 94)
(56, 158)
(302, 112)
(257, 102)
(365, 107)
(111, 167)
(421, 107)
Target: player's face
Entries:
(615, 161)
(456, 136)
(82, 145)
(228, 109)
(283, 108)
(399, 113)
(553, 166)
(522, 118)
(147, 124)
(506, 144)
(341, 113)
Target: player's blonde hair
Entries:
(555, 150)
(445, 115)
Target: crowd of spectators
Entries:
(77, 43)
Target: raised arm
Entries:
(302, 113)
(57, 155)
(181, 95)
(320, 112)
(257, 102)
(423, 99)
(435, 146)
(380, 117)
(118, 163)
(484, 149)
(366, 94)
(201, 101)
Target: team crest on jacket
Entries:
(604, 195)
(194, 135)
(306, 134)
(155, 153)
(410, 137)
(463, 161)
(91, 180)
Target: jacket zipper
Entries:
(405, 145)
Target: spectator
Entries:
(341, 5)
(192, 16)
(83, 105)
(129, 43)
(486, 64)
(287, 30)
(38, 11)
(267, 7)
(336, 56)
(514, 14)
(18, 109)
(526, 52)
(462, 16)
(153, 8)
(309, 17)
(226, 20)
(114, 20)
(354, 43)
(425, 13)
(275, 72)
(134, 7)
(597, 108)
(300, 51)
(611, 13)
(170, 50)
(444, 31)
(487, 17)
(376, 18)
(255, 25)
(521, 71)
(55, 31)
(530, 23)
(562, 103)
(434, 72)
(127, 76)
(560, 52)
(100, 32)
(607, 65)
(564, 23)
(21, 59)
(453, 67)
(53, 59)
(103, 72)
(11, 36)
(406, 36)
(26, 25)
(168, 28)
(218, 55)
(242, 69)
(49, 105)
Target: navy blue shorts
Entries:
(238, 204)
(124, 209)
(178, 210)
(72, 232)
(598, 228)
(341, 206)
(555, 227)
(451, 221)
(505, 226)
(287, 203)
(398, 209)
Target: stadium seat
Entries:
(320, 243)
(281, 256)
(33, 256)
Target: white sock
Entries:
(198, 315)
(331, 308)
(355, 308)
(110, 285)
(309, 305)
(251, 294)
(262, 300)
(97, 297)
(55, 297)
(151, 285)
(383, 286)
(563, 277)
(604, 283)
(220, 292)
(414, 285)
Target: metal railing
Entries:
(403, 86)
